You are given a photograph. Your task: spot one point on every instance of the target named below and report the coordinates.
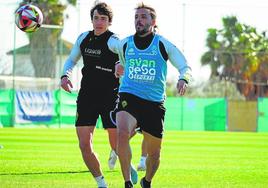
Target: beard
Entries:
(142, 31)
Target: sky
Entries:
(183, 22)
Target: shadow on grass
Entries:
(42, 173)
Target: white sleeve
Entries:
(116, 46)
(121, 51)
(178, 60)
(74, 55)
(113, 44)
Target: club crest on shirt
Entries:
(124, 103)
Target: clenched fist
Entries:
(119, 70)
(66, 84)
(181, 87)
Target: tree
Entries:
(238, 53)
(43, 43)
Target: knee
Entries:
(122, 133)
(155, 155)
(85, 146)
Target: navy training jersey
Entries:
(99, 61)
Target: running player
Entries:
(143, 64)
(99, 86)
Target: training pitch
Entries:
(50, 157)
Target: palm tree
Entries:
(238, 53)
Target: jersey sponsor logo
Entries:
(104, 69)
(130, 51)
(141, 62)
(142, 70)
(92, 52)
(153, 51)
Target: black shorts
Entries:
(90, 107)
(149, 115)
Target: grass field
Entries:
(44, 157)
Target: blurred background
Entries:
(225, 43)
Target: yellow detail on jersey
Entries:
(124, 104)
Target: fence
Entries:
(58, 109)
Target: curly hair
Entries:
(102, 9)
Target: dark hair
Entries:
(151, 9)
(102, 9)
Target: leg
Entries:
(85, 136)
(142, 163)
(112, 137)
(143, 149)
(87, 115)
(125, 125)
(153, 157)
(133, 172)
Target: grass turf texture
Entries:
(44, 157)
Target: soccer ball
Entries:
(28, 18)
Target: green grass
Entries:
(44, 157)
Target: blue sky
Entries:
(183, 22)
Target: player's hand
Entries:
(119, 70)
(181, 87)
(66, 84)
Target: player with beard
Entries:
(143, 65)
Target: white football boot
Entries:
(112, 160)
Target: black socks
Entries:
(128, 184)
(145, 183)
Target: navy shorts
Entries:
(149, 115)
(89, 108)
